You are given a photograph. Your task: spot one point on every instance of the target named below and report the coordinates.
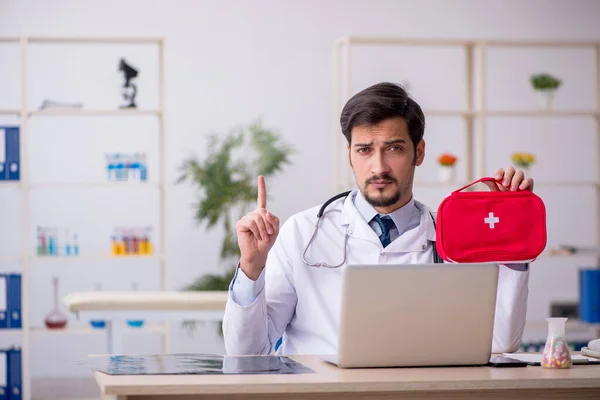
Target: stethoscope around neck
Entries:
(320, 215)
(436, 257)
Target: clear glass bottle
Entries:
(134, 168)
(556, 354)
(98, 323)
(52, 241)
(75, 245)
(55, 319)
(40, 241)
(115, 246)
(110, 167)
(120, 171)
(147, 240)
(67, 243)
(143, 168)
(135, 323)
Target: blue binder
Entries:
(3, 374)
(13, 156)
(13, 301)
(3, 302)
(589, 295)
(10, 165)
(2, 154)
(15, 375)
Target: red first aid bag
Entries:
(503, 227)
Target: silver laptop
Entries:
(416, 315)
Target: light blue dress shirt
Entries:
(243, 289)
(405, 218)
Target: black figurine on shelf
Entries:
(129, 88)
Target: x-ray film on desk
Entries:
(194, 364)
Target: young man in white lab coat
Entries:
(275, 294)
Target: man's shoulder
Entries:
(306, 215)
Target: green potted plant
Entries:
(226, 183)
(547, 85)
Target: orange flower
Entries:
(447, 159)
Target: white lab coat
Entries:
(302, 303)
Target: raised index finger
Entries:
(262, 193)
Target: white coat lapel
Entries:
(413, 240)
(416, 239)
(357, 226)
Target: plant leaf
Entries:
(226, 185)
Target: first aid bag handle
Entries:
(484, 179)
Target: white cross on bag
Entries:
(491, 220)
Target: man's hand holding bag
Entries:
(496, 226)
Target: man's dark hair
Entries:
(380, 102)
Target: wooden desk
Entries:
(330, 382)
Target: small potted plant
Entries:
(447, 171)
(547, 85)
(523, 160)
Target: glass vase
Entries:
(556, 353)
(55, 319)
(525, 168)
(546, 99)
(98, 323)
(447, 173)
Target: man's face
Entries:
(383, 159)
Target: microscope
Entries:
(129, 89)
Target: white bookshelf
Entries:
(96, 257)
(10, 260)
(27, 259)
(75, 185)
(90, 113)
(8, 185)
(88, 330)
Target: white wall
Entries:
(231, 61)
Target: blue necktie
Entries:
(385, 224)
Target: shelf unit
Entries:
(476, 113)
(8, 185)
(97, 257)
(26, 258)
(148, 185)
(87, 330)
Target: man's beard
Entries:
(389, 200)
